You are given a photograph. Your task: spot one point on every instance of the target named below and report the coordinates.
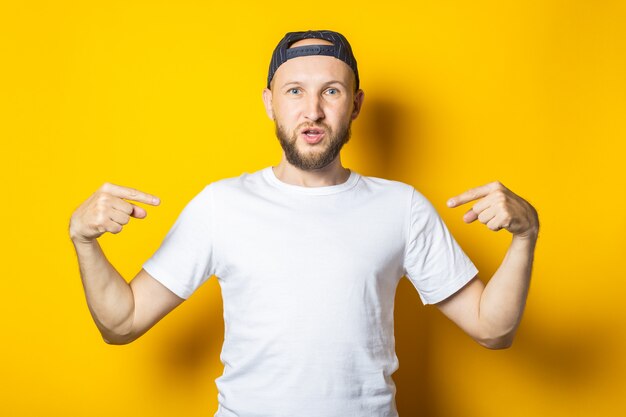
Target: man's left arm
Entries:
(491, 314)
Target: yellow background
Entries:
(165, 96)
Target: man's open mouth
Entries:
(313, 135)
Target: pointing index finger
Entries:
(132, 194)
(469, 195)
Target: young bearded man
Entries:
(308, 255)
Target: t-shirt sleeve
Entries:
(185, 258)
(434, 262)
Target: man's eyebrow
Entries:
(336, 82)
(326, 83)
(289, 83)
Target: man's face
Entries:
(312, 103)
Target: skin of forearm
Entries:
(109, 297)
(503, 299)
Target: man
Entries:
(308, 255)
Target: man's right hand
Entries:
(108, 211)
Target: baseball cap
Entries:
(340, 49)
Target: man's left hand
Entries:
(499, 208)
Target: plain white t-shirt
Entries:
(308, 278)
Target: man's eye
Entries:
(332, 91)
(294, 90)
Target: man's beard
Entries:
(315, 159)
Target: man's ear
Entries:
(359, 96)
(267, 101)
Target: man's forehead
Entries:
(310, 41)
(314, 69)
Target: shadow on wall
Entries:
(188, 359)
(377, 135)
(412, 344)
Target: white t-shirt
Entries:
(308, 278)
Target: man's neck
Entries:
(332, 174)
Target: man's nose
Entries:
(314, 108)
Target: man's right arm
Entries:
(122, 311)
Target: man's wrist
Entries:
(81, 241)
(529, 236)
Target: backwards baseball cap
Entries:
(340, 49)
